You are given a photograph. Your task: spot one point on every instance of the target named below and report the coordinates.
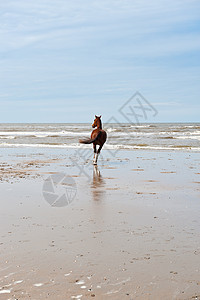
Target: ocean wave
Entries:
(74, 145)
(111, 132)
(111, 129)
(148, 147)
(192, 126)
(197, 132)
(7, 137)
(185, 133)
(43, 133)
(140, 126)
(188, 137)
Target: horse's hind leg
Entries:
(99, 150)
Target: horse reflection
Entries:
(97, 185)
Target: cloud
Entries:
(89, 50)
(25, 23)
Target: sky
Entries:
(65, 61)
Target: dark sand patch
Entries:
(150, 180)
(168, 172)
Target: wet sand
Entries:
(131, 231)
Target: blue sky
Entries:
(65, 61)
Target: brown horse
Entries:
(98, 137)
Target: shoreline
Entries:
(107, 147)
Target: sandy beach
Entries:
(100, 150)
(131, 230)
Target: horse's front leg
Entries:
(95, 154)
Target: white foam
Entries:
(131, 134)
(18, 281)
(5, 291)
(191, 126)
(7, 137)
(189, 137)
(73, 145)
(197, 132)
(10, 274)
(121, 282)
(130, 147)
(38, 284)
(80, 282)
(112, 292)
(186, 133)
(140, 126)
(111, 129)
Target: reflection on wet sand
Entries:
(97, 185)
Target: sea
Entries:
(156, 136)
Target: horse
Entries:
(98, 137)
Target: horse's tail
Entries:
(89, 141)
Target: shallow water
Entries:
(185, 136)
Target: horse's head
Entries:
(97, 122)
